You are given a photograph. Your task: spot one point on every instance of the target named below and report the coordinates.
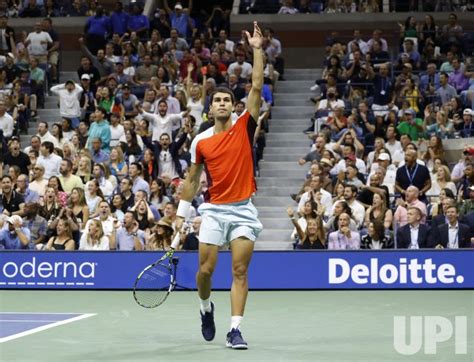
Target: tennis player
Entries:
(228, 215)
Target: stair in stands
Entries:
(280, 174)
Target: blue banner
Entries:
(435, 269)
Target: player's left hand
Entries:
(256, 40)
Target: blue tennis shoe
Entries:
(235, 340)
(208, 327)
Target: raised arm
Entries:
(255, 95)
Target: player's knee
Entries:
(239, 271)
(206, 270)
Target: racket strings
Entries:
(153, 285)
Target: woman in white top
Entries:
(197, 96)
(443, 180)
(309, 212)
(95, 238)
(128, 68)
(93, 196)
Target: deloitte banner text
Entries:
(436, 269)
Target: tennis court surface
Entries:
(283, 326)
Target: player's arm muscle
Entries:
(254, 99)
(192, 182)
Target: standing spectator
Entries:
(100, 129)
(119, 20)
(413, 235)
(453, 234)
(49, 160)
(138, 22)
(13, 203)
(412, 174)
(7, 34)
(344, 238)
(96, 30)
(411, 125)
(31, 9)
(145, 72)
(69, 107)
(160, 22)
(316, 187)
(38, 43)
(6, 121)
(53, 48)
(445, 92)
(15, 236)
(129, 236)
(180, 20)
(92, 73)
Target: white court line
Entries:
(28, 320)
(43, 328)
(41, 313)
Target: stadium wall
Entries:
(296, 270)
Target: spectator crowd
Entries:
(379, 174)
(107, 174)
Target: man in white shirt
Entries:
(49, 160)
(38, 183)
(162, 122)
(392, 145)
(246, 67)
(364, 48)
(45, 135)
(116, 130)
(383, 161)
(316, 186)
(37, 43)
(358, 211)
(348, 158)
(69, 94)
(6, 121)
(331, 103)
(172, 102)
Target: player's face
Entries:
(222, 106)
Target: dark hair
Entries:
(69, 162)
(449, 193)
(133, 213)
(352, 147)
(379, 229)
(138, 165)
(222, 90)
(8, 177)
(352, 187)
(60, 186)
(445, 74)
(48, 145)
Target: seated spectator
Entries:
(37, 225)
(78, 205)
(442, 181)
(467, 205)
(411, 125)
(128, 236)
(313, 236)
(440, 217)
(14, 235)
(443, 127)
(161, 236)
(316, 188)
(411, 201)
(241, 63)
(13, 203)
(288, 8)
(344, 238)
(63, 239)
(316, 154)
(30, 196)
(95, 238)
(453, 234)
(465, 126)
(376, 238)
(379, 212)
(190, 241)
(16, 157)
(364, 48)
(175, 42)
(415, 234)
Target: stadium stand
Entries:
(360, 141)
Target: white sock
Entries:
(235, 321)
(206, 305)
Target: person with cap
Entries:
(69, 94)
(465, 126)
(180, 19)
(91, 71)
(453, 234)
(411, 125)
(128, 236)
(414, 234)
(161, 235)
(445, 92)
(14, 235)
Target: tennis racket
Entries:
(155, 282)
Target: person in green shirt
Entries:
(411, 126)
(36, 73)
(468, 205)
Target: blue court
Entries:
(17, 324)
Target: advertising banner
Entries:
(421, 269)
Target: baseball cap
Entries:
(69, 81)
(85, 76)
(471, 188)
(11, 55)
(467, 111)
(350, 157)
(408, 65)
(326, 161)
(410, 111)
(14, 219)
(15, 138)
(125, 86)
(383, 157)
(469, 151)
(178, 6)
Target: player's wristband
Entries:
(183, 208)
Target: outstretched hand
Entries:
(256, 40)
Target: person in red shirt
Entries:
(228, 216)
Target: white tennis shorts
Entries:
(222, 223)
